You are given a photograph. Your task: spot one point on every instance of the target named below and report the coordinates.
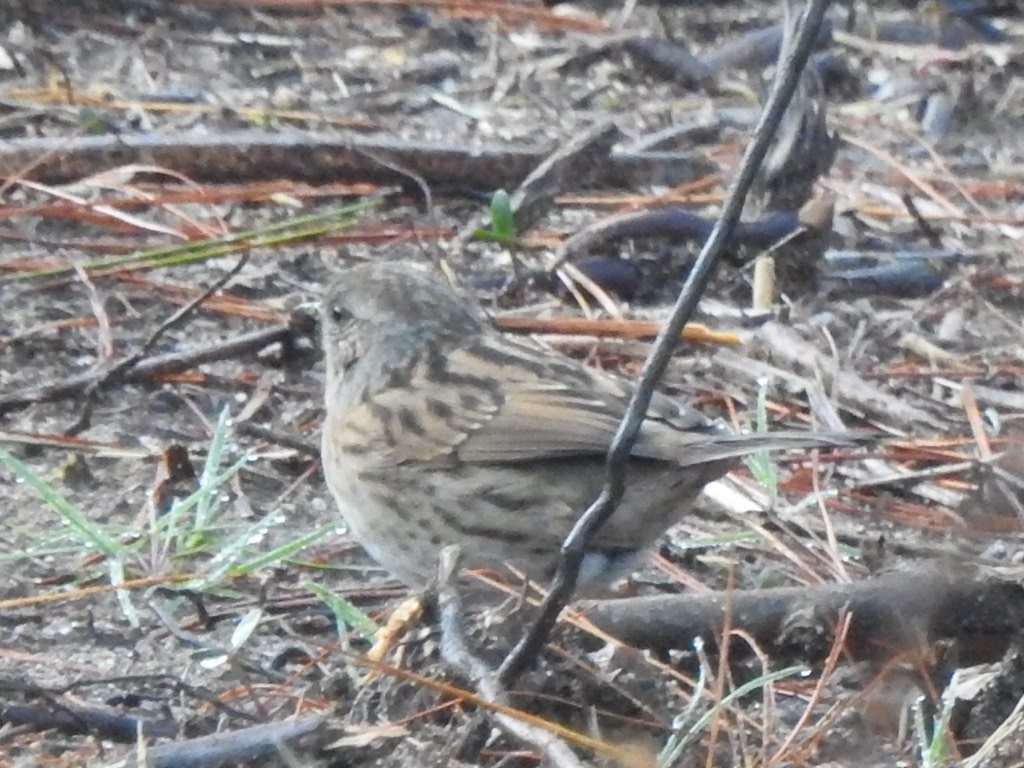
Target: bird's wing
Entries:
(553, 408)
(498, 400)
(542, 422)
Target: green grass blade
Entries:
(87, 531)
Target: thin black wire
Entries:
(575, 545)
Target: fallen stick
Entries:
(979, 606)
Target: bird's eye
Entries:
(339, 314)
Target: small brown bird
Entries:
(439, 430)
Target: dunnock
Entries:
(440, 430)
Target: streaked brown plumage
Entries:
(440, 430)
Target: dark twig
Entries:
(570, 163)
(271, 436)
(577, 162)
(575, 545)
(169, 363)
(925, 226)
(71, 719)
(256, 745)
(415, 178)
(681, 226)
(116, 372)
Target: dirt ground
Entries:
(902, 314)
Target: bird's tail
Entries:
(718, 447)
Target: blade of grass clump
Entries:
(503, 223)
(290, 231)
(717, 542)
(679, 741)
(760, 463)
(935, 744)
(87, 532)
(173, 534)
(40, 550)
(229, 553)
(700, 686)
(346, 616)
(168, 528)
(502, 229)
(49, 543)
(212, 657)
(233, 556)
(284, 552)
(124, 596)
(207, 494)
(228, 564)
